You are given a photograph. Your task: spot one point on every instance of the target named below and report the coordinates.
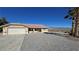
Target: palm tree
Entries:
(77, 22)
(73, 14)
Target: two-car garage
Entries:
(16, 31)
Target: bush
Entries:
(1, 29)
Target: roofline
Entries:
(20, 24)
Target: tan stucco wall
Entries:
(44, 30)
(26, 29)
(5, 30)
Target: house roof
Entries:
(27, 25)
(35, 26)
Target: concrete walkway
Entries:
(11, 42)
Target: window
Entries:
(38, 29)
(30, 29)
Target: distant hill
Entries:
(59, 28)
(62, 29)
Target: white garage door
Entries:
(16, 31)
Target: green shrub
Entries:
(1, 29)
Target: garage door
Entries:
(16, 30)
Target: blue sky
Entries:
(50, 16)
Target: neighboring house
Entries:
(14, 28)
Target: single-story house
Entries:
(14, 28)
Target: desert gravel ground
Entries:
(38, 42)
(48, 42)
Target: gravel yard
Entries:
(37, 42)
(48, 42)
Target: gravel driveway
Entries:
(11, 42)
(48, 42)
(37, 42)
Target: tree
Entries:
(3, 21)
(77, 22)
(73, 14)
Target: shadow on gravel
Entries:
(63, 35)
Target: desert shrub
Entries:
(1, 29)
